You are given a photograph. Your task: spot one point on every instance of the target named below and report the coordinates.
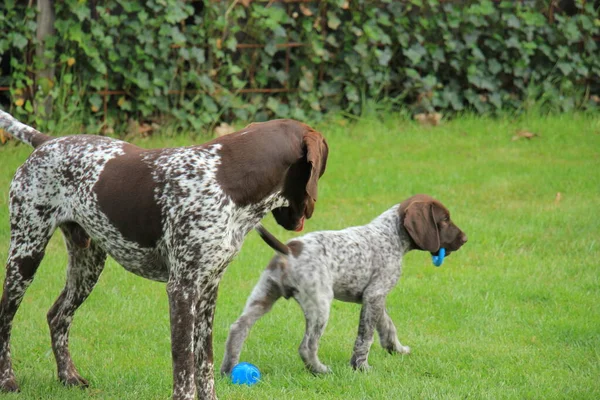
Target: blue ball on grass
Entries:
(245, 374)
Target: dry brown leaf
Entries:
(134, 128)
(305, 10)
(4, 136)
(144, 129)
(317, 22)
(429, 118)
(557, 198)
(246, 3)
(224, 129)
(524, 134)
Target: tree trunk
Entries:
(44, 77)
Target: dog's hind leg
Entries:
(264, 295)
(86, 262)
(28, 242)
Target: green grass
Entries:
(515, 314)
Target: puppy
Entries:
(358, 264)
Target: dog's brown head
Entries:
(428, 223)
(279, 155)
(300, 185)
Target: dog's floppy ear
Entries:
(316, 156)
(419, 221)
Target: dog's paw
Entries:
(226, 369)
(319, 369)
(75, 380)
(359, 364)
(9, 385)
(397, 349)
(403, 350)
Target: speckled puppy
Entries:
(359, 264)
(176, 215)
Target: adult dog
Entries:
(361, 264)
(175, 215)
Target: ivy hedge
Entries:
(197, 62)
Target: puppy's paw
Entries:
(226, 368)
(319, 369)
(359, 364)
(403, 350)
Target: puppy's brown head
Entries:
(428, 223)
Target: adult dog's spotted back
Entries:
(176, 215)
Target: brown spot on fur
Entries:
(295, 247)
(263, 303)
(39, 139)
(78, 235)
(29, 264)
(126, 194)
(276, 263)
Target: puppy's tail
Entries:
(272, 240)
(22, 132)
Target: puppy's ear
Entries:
(419, 221)
(316, 156)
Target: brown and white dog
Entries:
(175, 215)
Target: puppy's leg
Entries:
(84, 269)
(263, 296)
(388, 336)
(370, 314)
(316, 303)
(28, 242)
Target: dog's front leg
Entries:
(205, 311)
(389, 337)
(372, 310)
(182, 305)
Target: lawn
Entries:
(514, 314)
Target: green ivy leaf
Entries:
(415, 53)
(333, 21)
(19, 41)
(142, 80)
(384, 56)
(96, 102)
(564, 67)
(178, 37)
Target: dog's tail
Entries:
(22, 132)
(272, 240)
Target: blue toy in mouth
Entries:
(439, 259)
(245, 374)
